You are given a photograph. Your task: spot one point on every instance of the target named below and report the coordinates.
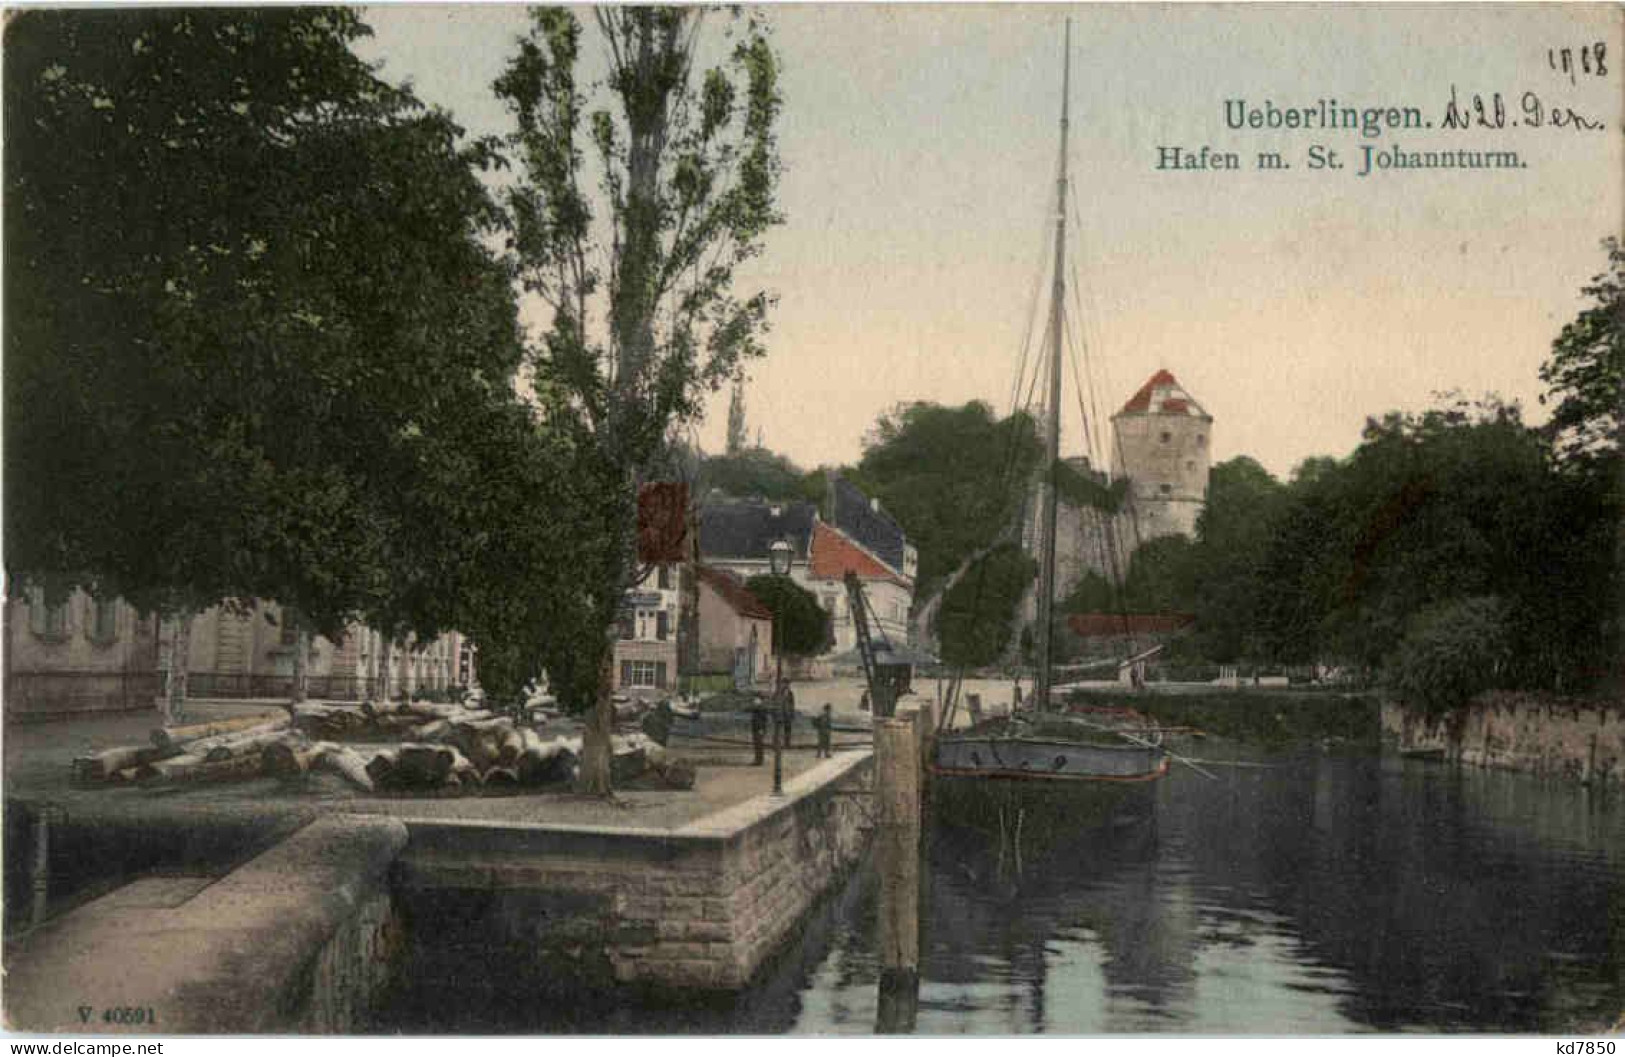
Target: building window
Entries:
(628, 627)
(649, 675)
(103, 620)
(1190, 464)
(664, 578)
(662, 625)
(1167, 489)
(290, 630)
(47, 621)
(1166, 436)
(1201, 440)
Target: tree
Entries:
(629, 219)
(255, 344)
(953, 477)
(1585, 379)
(801, 624)
(1585, 374)
(1233, 537)
(736, 420)
(978, 614)
(1450, 653)
(753, 472)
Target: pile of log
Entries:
(436, 748)
(234, 749)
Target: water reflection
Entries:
(1301, 894)
(1306, 894)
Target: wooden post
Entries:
(301, 662)
(42, 864)
(897, 858)
(180, 663)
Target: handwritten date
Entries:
(1491, 112)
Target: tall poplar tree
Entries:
(636, 202)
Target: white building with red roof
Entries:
(890, 593)
(1161, 441)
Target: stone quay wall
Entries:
(1539, 733)
(301, 938)
(700, 908)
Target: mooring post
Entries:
(42, 862)
(897, 859)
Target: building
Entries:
(646, 652)
(1161, 441)
(88, 655)
(889, 593)
(851, 534)
(250, 652)
(736, 629)
(80, 655)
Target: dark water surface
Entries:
(1302, 894)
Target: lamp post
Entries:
(780, 557)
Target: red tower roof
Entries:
(1163, 393)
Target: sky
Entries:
(920, 145)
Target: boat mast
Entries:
(1052, 438)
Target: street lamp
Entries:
(780, 557)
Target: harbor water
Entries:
(1297, 893)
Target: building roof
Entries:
(733, 592)
(1163, 395)
(834, 554)
(862, 520)
(1110, 625)
(744, 529)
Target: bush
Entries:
(803, 626)
(1451, 652)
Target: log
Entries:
(328, 721)
(480, 746)
(168, 769)
(539, 766)
(430, 710)
(381, 768)
(343, 762)
(191, 768)
(464, 775)
(510, 743)
(424, 766)
(501, 778)
(287, 758)
(434, 730)
(247, 743)
(164, 737)
(103, 765)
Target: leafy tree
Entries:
(801, 624)
(1585, 374)
(638, 276)
(1585, 379)
(255, 344)
(1451, 652)
(753, 472)
(953, 477)
(1233, 536)
(978, 613)
(736, 440)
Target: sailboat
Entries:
(1082, 765)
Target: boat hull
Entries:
(994, 783)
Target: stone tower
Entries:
(1161, 441)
